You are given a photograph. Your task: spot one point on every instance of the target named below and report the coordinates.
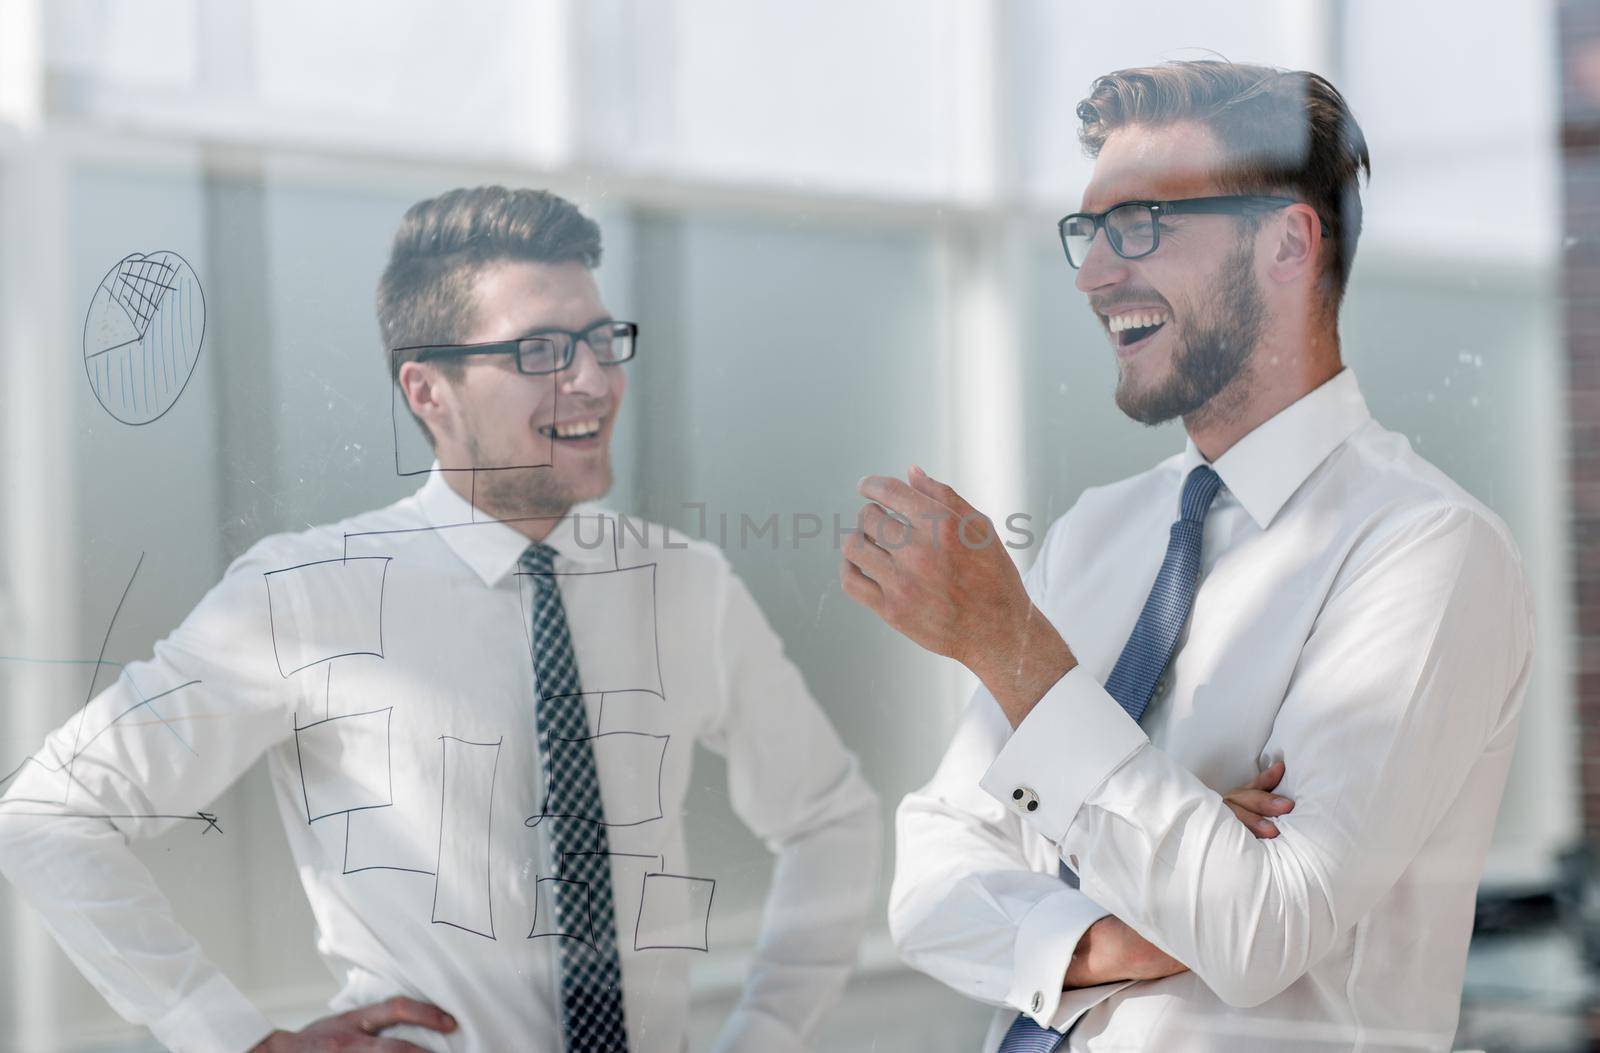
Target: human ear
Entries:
(429, 395)
(1298, 242)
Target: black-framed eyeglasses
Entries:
(1133, 228)
(544, 350)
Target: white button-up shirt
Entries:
(383, 666)
(1361, 618)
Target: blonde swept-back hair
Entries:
(1282, 132)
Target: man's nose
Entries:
(585, 376)
(1102, 267)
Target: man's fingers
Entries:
(1262, 828)
(867, 557)
(883, 529)
(859, 587)
(388, 1045)
(898, 496)
(375, 1018)
(1261, 802)
(943, 493)
(1268, 779)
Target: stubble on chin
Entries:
(1132, 402)
(535, 491)
(1197, 390)
(1158, 398)
(1208, 373)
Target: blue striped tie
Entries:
(1144, 658)
(591, 973)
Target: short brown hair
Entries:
(426, 293)
(1287, 132)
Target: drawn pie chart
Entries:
(142, 335)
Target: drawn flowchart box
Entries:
(611, 617)
(629, 764)
(413, 455)
(575, 923)
(461, 891)
(326, 610)
(344, 763)
(674, 913)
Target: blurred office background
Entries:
(835, 224)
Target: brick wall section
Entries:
(1579, 46)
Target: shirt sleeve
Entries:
(978, 902)
(147, 753)
(795, 786)
(1410, 680)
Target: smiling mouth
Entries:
(1134, 326)
(1129, 337)
(574, 431)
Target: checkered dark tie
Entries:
(591, 975)
(1144, 658)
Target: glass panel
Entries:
(734, 319)
(681, 90)
(836, 225)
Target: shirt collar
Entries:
(492, 548)
(1266, 467)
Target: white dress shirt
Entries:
(383, 666)
(1361, 618)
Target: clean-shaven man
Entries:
(479, 708)
(1296, 593)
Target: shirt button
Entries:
(1038, 1001)
(1161, 685)
(1025, 799)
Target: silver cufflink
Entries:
(1025, 799)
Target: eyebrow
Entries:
(1122, 201)
(545, 330)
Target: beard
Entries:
(1212, 351)
(533, 490)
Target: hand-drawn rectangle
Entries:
(611, 615)
(344, 763)
(462, 893)
(629, 764)
(414, 456)
(674, 913)
(627, 868)
(546, 920)
(325, 610)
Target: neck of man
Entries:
(1287, 364)
(533, 523)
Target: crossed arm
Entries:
(1110, 950)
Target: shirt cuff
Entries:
(1080, 1000)
(214, 1016)
(1046, 939)
(1074, 737)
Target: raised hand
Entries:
(934, 568)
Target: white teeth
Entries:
(1135, 319)
(577, 430)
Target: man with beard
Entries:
(1295, 594)
(479, 708)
